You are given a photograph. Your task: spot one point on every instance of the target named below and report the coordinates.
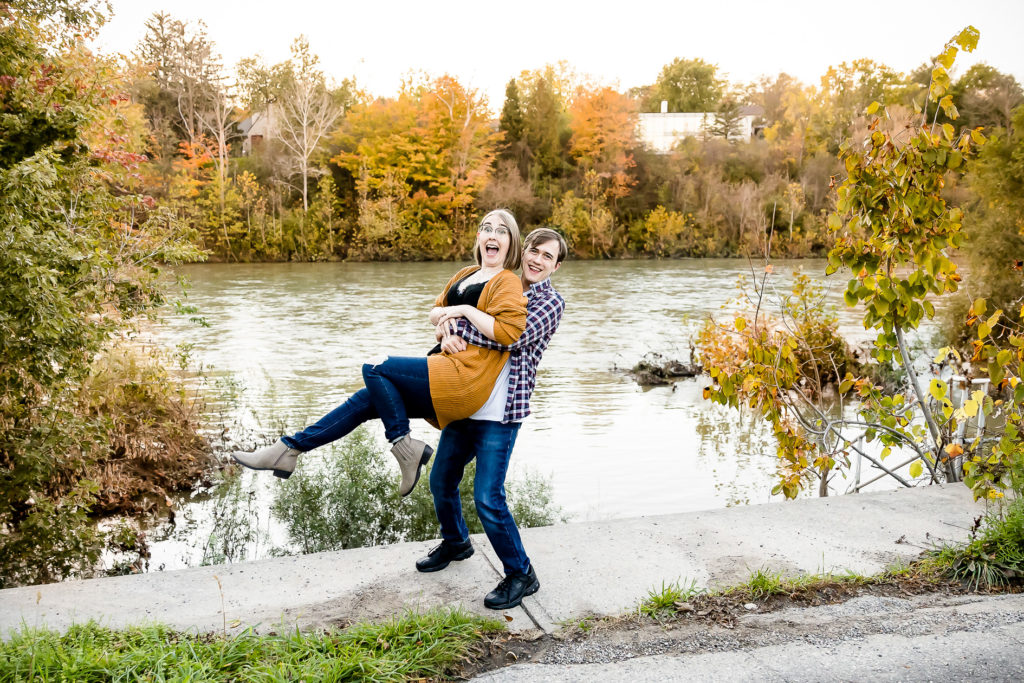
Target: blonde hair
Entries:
(514, 257)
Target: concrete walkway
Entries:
(594, 568)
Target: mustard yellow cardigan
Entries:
(461, 383)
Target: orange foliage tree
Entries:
(419, 162)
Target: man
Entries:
(490, 434)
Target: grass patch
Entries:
(770, 590)
(667, 600)
(993, 557)
(431, 644)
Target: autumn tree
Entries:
(603, 124)
(419, 162)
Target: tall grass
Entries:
(994, 556)
(415, 645)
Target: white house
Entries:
(660, 132)
(256, 129)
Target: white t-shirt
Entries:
(494, 409)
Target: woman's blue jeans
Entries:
(491, 444)
(396, 390)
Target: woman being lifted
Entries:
(441, 387)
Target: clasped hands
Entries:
(445, 331)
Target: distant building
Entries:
(660, 132)
(256, 129)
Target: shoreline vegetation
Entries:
(115, 169)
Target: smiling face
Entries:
(540, 260)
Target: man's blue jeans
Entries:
(396, 390)
(491, 444)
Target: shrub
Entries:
(348, 498)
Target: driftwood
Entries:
(655, 370)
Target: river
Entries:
(286, 342)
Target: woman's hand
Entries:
(440, 313)
(450, 314)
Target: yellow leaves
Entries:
(947, 106)
(970, 408)
(944, 352)
(740, 323)
(872, 108)
(954, 449)
(967, 39)
(916, 468)
(985, 328)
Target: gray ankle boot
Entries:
(277, 456)
(411, 454)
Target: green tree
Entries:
(545, 129)
(79, 248)
(727, 120)
(513, 127)
(986, 97)
(688, 85)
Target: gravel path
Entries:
(930, 637)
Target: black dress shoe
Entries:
(443, 555)
(512, 589)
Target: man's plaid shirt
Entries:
(544, 308)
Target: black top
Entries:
(469, 296)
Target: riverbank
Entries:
(587, 569)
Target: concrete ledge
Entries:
(594, 568)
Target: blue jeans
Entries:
(491, 444)
(396, 390)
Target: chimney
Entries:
(664, 106)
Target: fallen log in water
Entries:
(655, 370)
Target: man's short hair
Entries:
(542, 235)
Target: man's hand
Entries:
(453, 344)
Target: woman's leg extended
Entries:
(399, 388)
(335, 424)
(281, 456)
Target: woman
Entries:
(442, 387)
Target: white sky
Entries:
(623, 44)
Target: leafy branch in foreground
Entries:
(896, 231)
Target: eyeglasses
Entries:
(500, 231)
